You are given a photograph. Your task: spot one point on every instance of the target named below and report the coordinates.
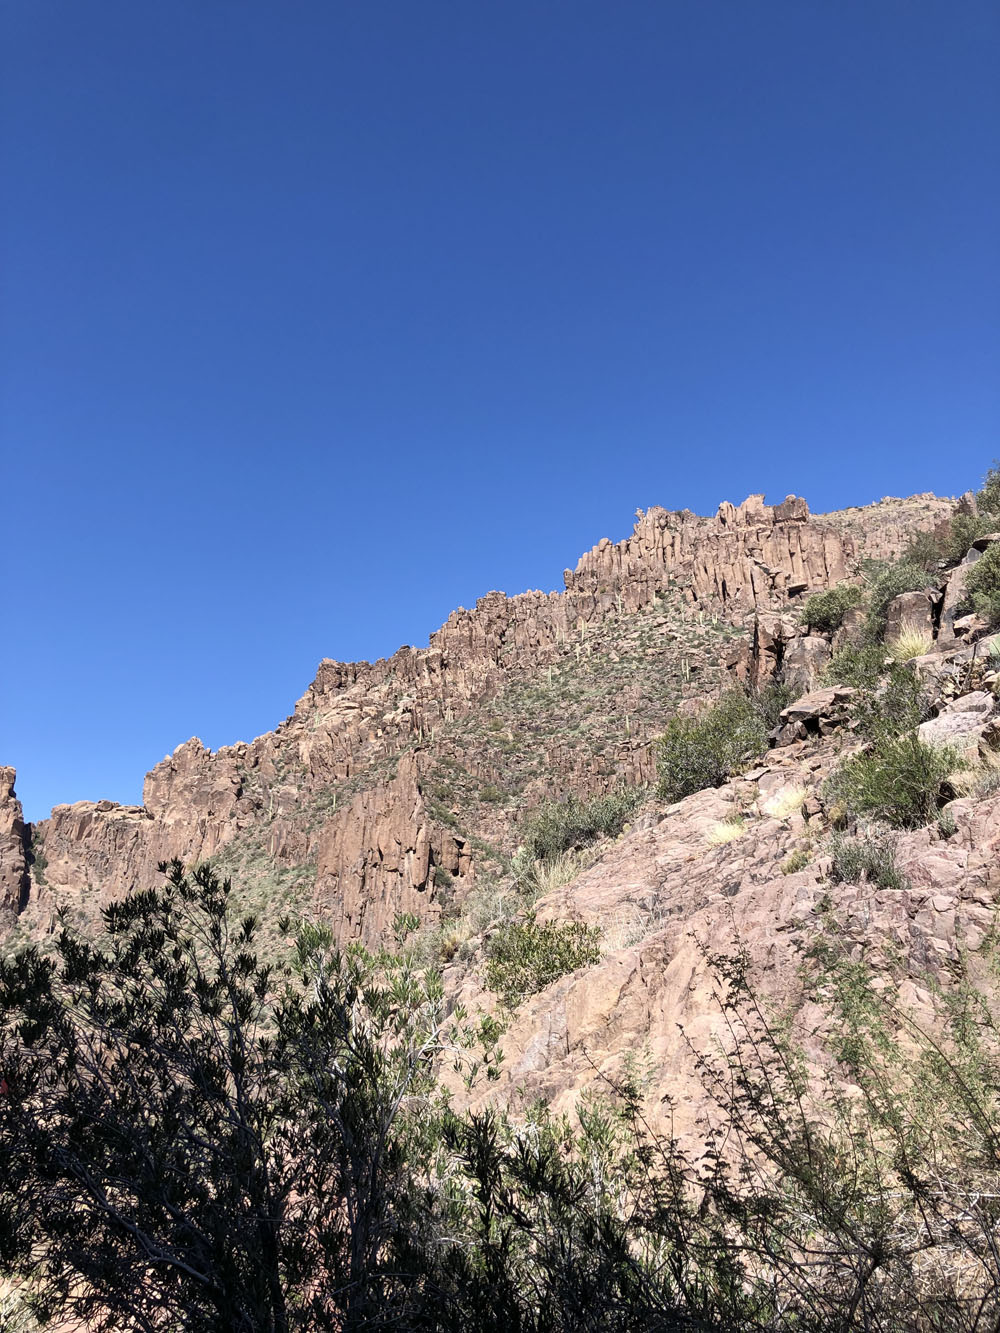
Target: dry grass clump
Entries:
(726, 831)
(785, 801)
(910, 642)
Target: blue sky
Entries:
(320, 319)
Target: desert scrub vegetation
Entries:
(825, 611)
(523, 958)
(869, 857)
(705, 751)
(910, 642)
(193, 1189)
(562, 826)
(982, 588)
(899, 781)
(885, 583)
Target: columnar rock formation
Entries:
(13, 849)
(372, 853)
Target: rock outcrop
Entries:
(271, 798)
(383, 855)
(14, 849)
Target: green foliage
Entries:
(982, 588)
(176, 1118)
(859, 665)
(949, 542)
(825, 611)
(559, 826)
(523, 958)
(795, 861)
(694, 753)
(898, 782)
(988, 498)
(871, 856)
(189, 1140)
(888, 707)
(887, 583)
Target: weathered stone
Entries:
(954, 595)
(818, 704)
(378, 855)
(13, 848)
(804, 661)
(959, 730)
(910, 613)
(355, 717)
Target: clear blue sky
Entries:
(322, 318)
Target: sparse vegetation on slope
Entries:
(698, 752)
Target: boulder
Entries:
(804, 661)
(817, 712)
(910, 613)
(954, 595)
(960, 725)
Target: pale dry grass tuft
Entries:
(725, 832)
(627, 927)
(910, 642)
(785, 802)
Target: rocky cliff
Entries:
(394, 780)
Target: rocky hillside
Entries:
(395, 784)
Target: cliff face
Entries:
(370, 796)
(14, 850)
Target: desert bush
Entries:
(870, 856)
(699, 752)
(888, 705)
(898, 781)
(273, 1152)
(525, 957)
(725, 832)
(988, 497)
(982, 588)
(948, 543)
(887, 583)
(559, 826)
(786, 801)
(825, 611)
(856, 664)
(795, 861)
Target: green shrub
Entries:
(525, 957)
(887, 584)
(982, 588)
(988, 499)
(795, 861)
(950, 542)
(825, 611)
(694, 753)
(859, 665)
(871, 857)
(558, 826)
(889, 707)
(888, 701)
(898, 782)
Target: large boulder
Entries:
(804, 661)
(815, 713)
(910, 613)
(961, 724)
